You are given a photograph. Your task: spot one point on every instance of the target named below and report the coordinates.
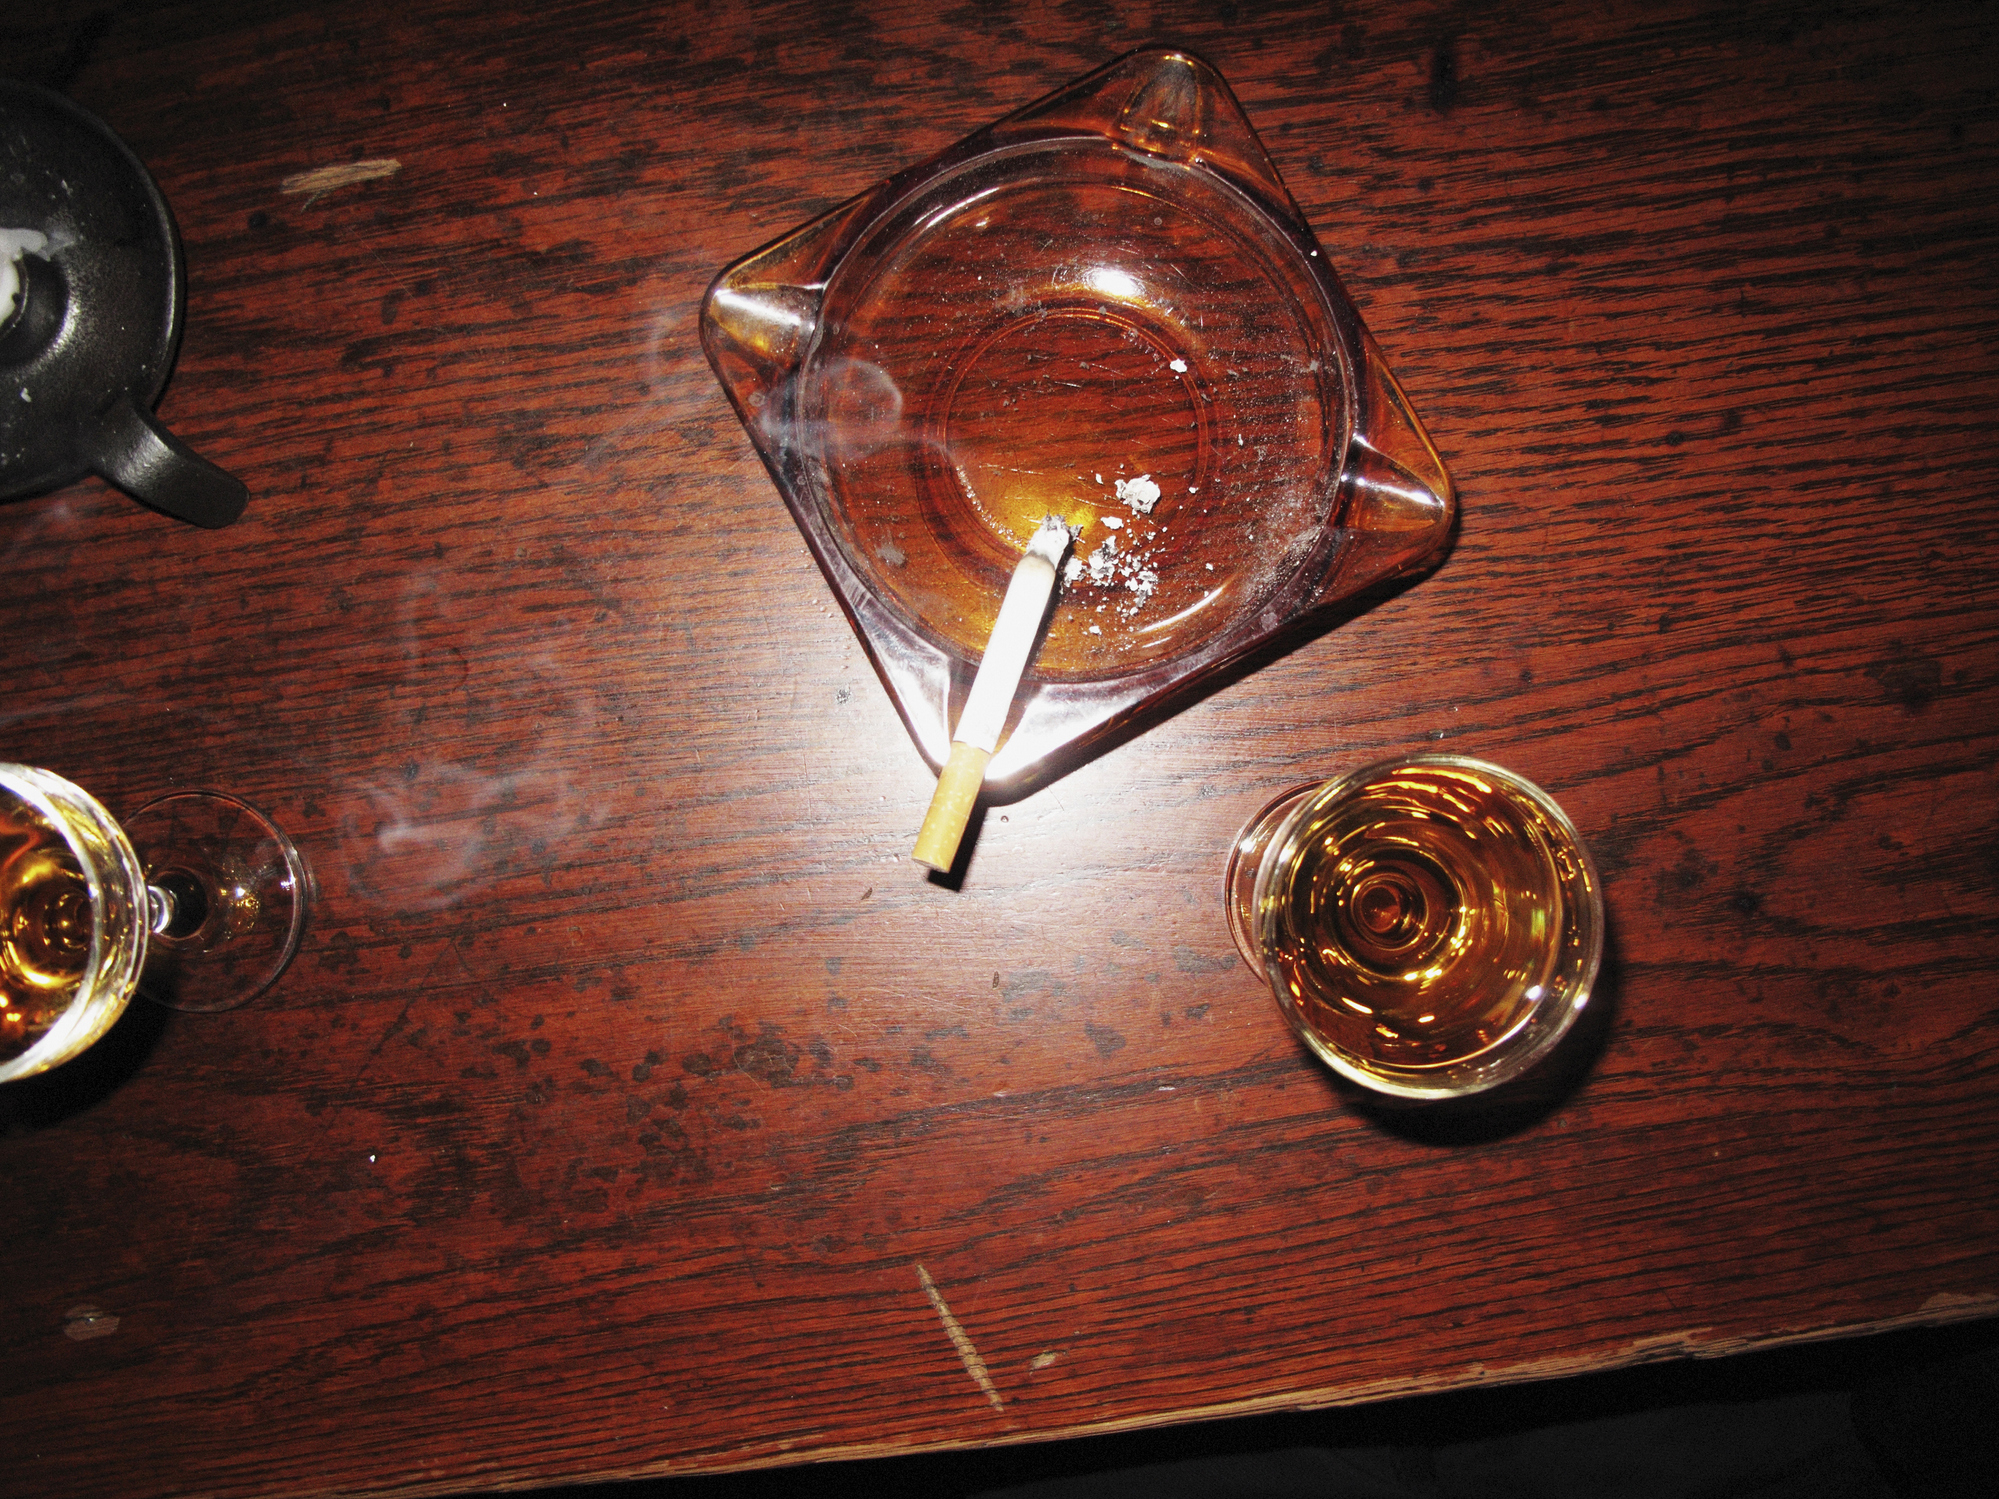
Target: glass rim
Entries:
(81, 1023)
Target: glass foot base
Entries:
(237, 897)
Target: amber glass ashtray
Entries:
(1105, 307)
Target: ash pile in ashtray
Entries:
(1122, 564)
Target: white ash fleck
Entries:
(1103, 562)
(892, 554)
(1073, 569)
(1141, 494)
(1094, 630)
(1141, 582)
(1112, 523)
(1178, 366)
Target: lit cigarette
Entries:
(991, 697)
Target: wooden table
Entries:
(636, 1106)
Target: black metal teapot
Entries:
(91, 297)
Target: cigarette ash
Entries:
(1122, 564)
(1140, 493)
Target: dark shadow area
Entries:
(54, 45)
(1520, 1104)
(1906, 1415)
(954, 878)
(80, 1084)
(1933, 1429)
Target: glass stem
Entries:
(178, 905)
(161, 909)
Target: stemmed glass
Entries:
(197, 901)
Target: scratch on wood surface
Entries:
(1941, 1309)
(961, 1340)
(86, 1322)
(346, 174)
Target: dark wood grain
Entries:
(632, 1080)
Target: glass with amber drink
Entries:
(1430, 926)
(197, 901)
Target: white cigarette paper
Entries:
(991, 698)
(1013, 637)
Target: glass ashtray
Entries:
(1105, 307)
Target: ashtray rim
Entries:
(1391, 513)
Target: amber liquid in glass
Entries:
(45, 926)
(1425, 918)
